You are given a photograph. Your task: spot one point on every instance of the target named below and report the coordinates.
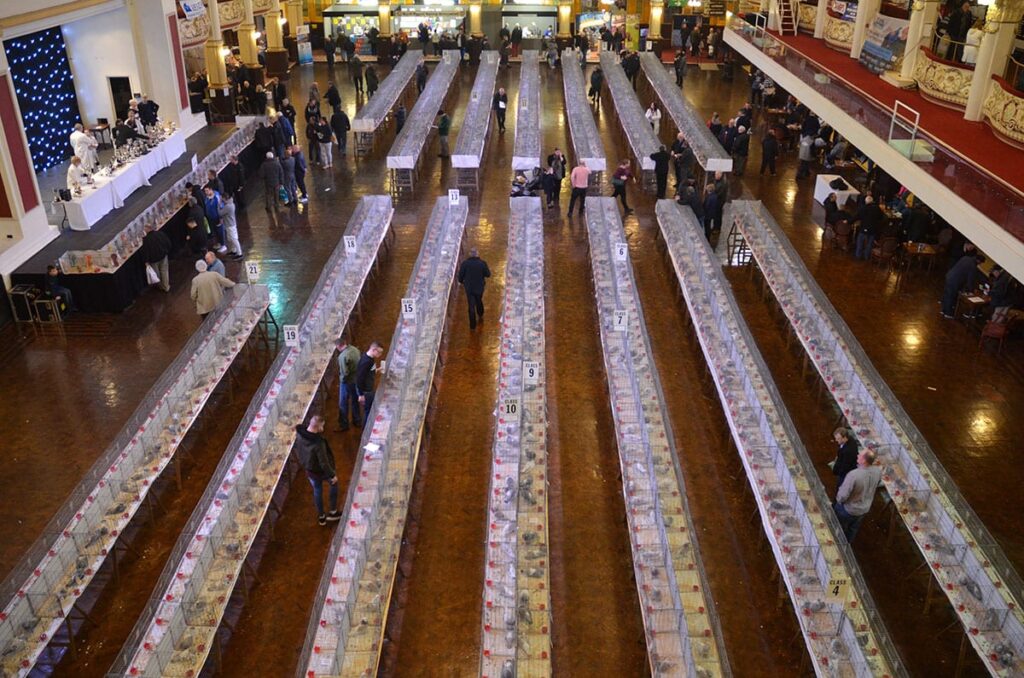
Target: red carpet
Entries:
(971, 140)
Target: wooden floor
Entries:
(67, 394)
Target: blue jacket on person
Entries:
(288, 129)
(212, 207)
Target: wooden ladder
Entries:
(787, 17)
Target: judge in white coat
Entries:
(76, 175)
(84, 146)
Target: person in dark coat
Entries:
(148, 111)
(366, 381)
(962, 277)
(683, 159)
(329, 48)
(123, 133)
(340, 125)
(288, 111)
(156, 248)
(234, 180)
(421, 77)
(516, 38)
(551, 185)
(769, 152)
(473, 274)
(740, 151)
(846, 455)
(355, 70)
(631, 66)
(710, 207)
(596, 81)
(263, 138)
(277, 131)
(661, 159)
(399, 118)
(960, 23)
(871, 217)
(273, 180)
(679, 65)
(372, 80)
(499, 103)
(333, 98)
(317, 460)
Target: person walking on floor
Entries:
(355, 69)
(661, 159)
(596, 81)
(653, 116)
(623, 173)
(710, 206)
(372, 80)
(421, 76)
(324, 137)
(208, 289)
(399, 118)
(679, 65)
(329, 48)
(558, 163)
(769, 152)
(444, 125)
(870, 219)
(551, 185)
(317, 460)
(156, 247)
(273, 180)
(226, 211)
(333, 96)
(500, 105)
(311, 142)
(366, 380)
(683, 159)
(473, 274)
(211, 205)
(348, 398)
(853, 501)
(340, 125)
(579, 181)
(740, 151)
(846, 455)
(300, 172)
(291, 187)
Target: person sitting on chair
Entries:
(57, 291)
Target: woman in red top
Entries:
(623, 173)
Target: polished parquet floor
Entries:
(67, 394)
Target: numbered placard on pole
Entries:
(838, 589)
(531, 371)
(620, 320)
(454, 196)
(252, 271)
(291, 335)
(350, 244)
(409, 308)
(621, 251)
(510, 407)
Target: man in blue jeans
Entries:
(348, 397)
(853, 501)
(317, 459)
(366, 380)
(871, 217)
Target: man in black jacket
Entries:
(740, 151)
(340, 125)
(421, 77)
(156, 247)
(769, 152)
(473, 275)
(234, 180)
(683, 159)
(870, 218)
(679, 64)
(366, 382)
(317, 460)
(661, 158)
(846, 455)
(123, 133)
(273, 179)
(500, 105)
(961, 278)
(332, 96)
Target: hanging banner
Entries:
(885, 43)
(193, 9)
(847, 11)
(303, 45)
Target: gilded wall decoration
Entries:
(806, 17)
(1005, 112)
(942, 81)
(839, 33)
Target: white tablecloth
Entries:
(822, 189)
(109, 193)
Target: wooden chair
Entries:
(994, 330)
(885, 252)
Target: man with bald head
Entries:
(473, 274)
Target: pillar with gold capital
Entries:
(222, 101)
(247, 48)
(657, 10)
(923, 14)
(277, 56)
(384, 38)
(1000, 29)
(293, 13)
(564, 37)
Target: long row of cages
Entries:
(476, 121)
(350, 607)
(586, 141)
(408, 146)
(683, 633)
(42, 590)
(632, 117)
(969, 566)
(110, 257)
(839, 621)
(708, 150)
(517, 616)
(526, 150)
(373, 114)
(177, 629)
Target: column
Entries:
(997, 42)
(564, 37)
(247, 44)
(866, 11)
(820, 18)
(774, 16)
(293, 12)
(922, 20)
(657, 10)
(384, 26)
(475, 20)
(277, 56)
(222, 100)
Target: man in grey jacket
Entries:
(317, 459)
(853, 501)
(273, 179)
